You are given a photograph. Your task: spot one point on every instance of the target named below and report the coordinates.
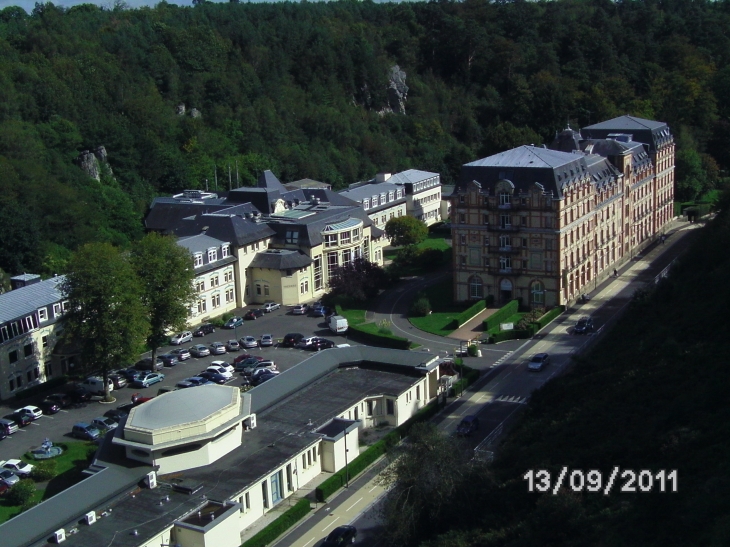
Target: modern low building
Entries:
(199, 466)
(544, 225)
(29, 330)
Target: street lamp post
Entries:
(347, 473)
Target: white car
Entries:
(249, 342)
(268, 307)
(300, 309)
(222, 364)
(181, 338)
(103, 423)
(18, 467)
(33, 412)
(305, 342)
(220, 370)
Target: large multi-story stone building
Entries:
(543, 225)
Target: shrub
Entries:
(22, 493)
(504, 312)
(45, 470)
(266, 536)
(470, 312)
(421, 307)
(472, 350)
(384, 327)
(430, 258)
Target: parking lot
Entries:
(277, 323)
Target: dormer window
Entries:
(212, 255)
(197, 260)
(225, 251)
(390, 196)
(292, 237)
(375, 201)
(43, 314)
(366, 203)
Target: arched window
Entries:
(537, 290)
(476, 287)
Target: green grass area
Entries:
(433, 241)
(354, 316)
(444, 311)
(514, 319)
(71, 464)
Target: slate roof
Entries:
(411, 176)
(26, 300)
(199, 243)
(367, 191)
(267, 179)
(166, 213)
(280, 259)
(234, 229)
(651, 133)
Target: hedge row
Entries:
(549, 316)
(511, 335)
(40, 388)
(374, 451)
(504, 312)
(377, 339)
(470, 312)
(280, 525)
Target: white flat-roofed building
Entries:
(207, 423)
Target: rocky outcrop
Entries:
(195, 113)
(180, 109)
(397, 90)
(91, 161)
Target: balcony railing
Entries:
(504, 227)
(505, 271)
(509, 249)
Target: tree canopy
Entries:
(406, 231)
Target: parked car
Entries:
(340, 536)
(33, 412)
(233, 345)
(205, 328)
(117, 414)
(584, 325)
(118, 380)
(181, 338)
(254, 314)
(233, 322)
(148, 379)
(146, 364)
(249, 342)
(217, 348)
(95, 385)
(49, 407)
(292, 339)
(182, 354)
(225, 366)
(244, 356)
(78, 394)
(219, 370)
(193, 381)
(247, 363)
(321, 343)
(300, 309)
(468, 425)
(168, 359)
(199, 350)
(8, 477)
(129, 374)
(8, 427)
(83, 430)
(251, 369)
(21, 420)
(104, 423)
(214, 377)
(258, 371)
(19, 467)
(266, 341)
(261, 378)
(268, 307)
(61, 399)
(320, 311)
(305, 342)
(538, 361)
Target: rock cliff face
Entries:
(88, 161)
(397, 90)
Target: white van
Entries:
(338, 324)
(96, 385)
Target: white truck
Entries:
(337, 324)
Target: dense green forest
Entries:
(302, 89)
(652, 394)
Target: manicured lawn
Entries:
(433, 241)
(444, 311)
(354, 316)
(70, 466)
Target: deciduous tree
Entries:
(404, 231)
(106, 317)
(166, 274)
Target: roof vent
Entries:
(187, 486)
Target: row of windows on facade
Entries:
(215, 301)
(17, 381)
(212, 255)
(28, 350)
(507, 242)
(427, 199)
(384, 218)
(31, 322)
(508, 264)
(214, 280)
(505, 221)
(342, 238)
(381, 199)
(430, 214)
(506, 198)
(476, 290)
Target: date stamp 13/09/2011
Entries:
(595, 481)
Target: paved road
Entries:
(503, 389)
